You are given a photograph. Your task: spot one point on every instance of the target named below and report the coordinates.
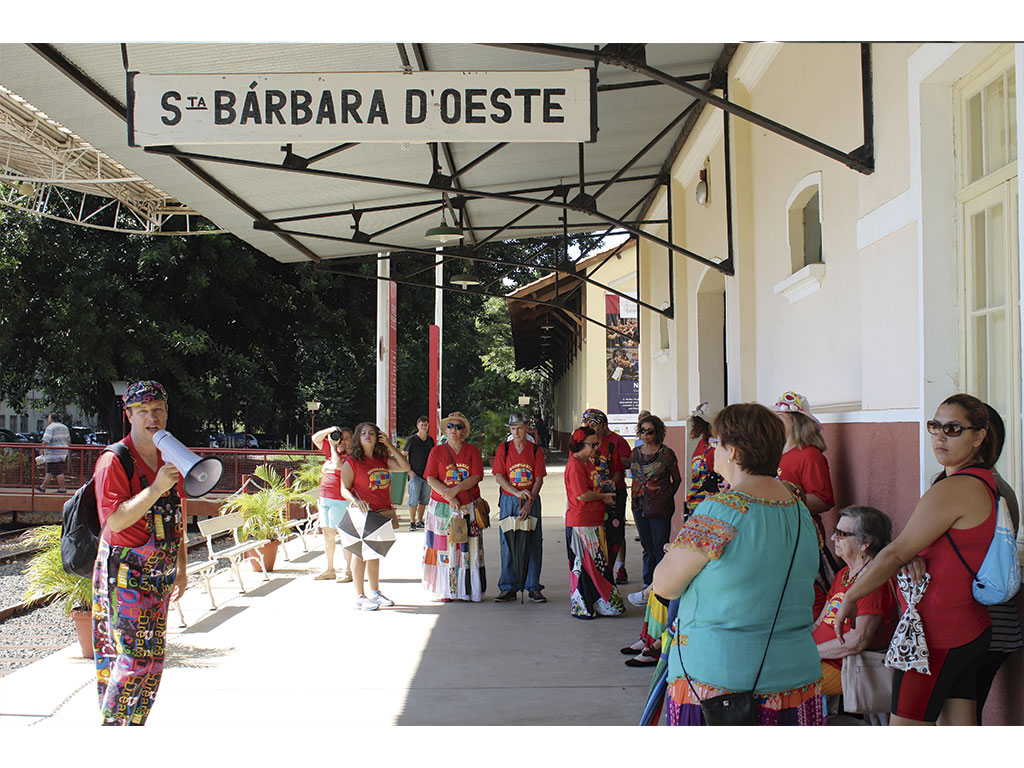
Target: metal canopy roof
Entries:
(514, 191)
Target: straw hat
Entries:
(457, 416)
(794, 402)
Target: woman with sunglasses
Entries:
(959, 509)
(860, 534)
(366, 483)
(592, 589)
(454, 570)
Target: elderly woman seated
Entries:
(859, 535)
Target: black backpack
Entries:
(80, 522)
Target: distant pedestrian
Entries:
(417, 450)
(56, 436)
(334, 443)
(543, 433)
(453, 553)
(519, 469)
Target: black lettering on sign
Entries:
(504, 109)
(223, 107)
(274, 101)
(378, 110)
(251, 109)
(550, 105)
(351, 100)
(415, 113)
(527, 94)
(475, 105)
(451, 106)
(165, 102)
(326, 111)
(301, 113)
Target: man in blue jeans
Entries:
(519, 469)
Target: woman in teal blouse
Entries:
(728, 565)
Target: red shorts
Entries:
(954, 675)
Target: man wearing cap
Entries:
(140, 566)
(520, 470)
(611, 458)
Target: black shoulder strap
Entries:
(973, 472)
(121, 451)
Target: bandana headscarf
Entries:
(142, 392)
(594, 415)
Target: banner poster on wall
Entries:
(622, 365)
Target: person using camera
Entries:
(333, 442)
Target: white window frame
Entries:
(804, 280)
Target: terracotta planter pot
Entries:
(269, 557)
(83, 626)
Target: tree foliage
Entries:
(220, 324)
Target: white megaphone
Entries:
(200, 474)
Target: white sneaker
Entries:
(363, 603)
(380, 600)
(637, 599)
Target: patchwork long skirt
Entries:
(592, 589)
(800, 706)
(452, 571)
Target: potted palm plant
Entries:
(48, 579)
(265, 512)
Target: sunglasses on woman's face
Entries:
(714, 442)
(647, 432)
(951, 428)
(841, 534)
(456, 427)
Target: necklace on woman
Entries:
(848, 579)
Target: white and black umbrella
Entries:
(368, 536)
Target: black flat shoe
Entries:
(638, 663)
(630, 651)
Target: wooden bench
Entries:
(234, 553)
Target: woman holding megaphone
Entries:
(366, 484)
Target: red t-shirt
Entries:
(807, 468)
(468, 461)
(520, 469)
(606, 459)
(881, 602)
(622, 452)
(113, 489)
(705, 450)
(372, 481)
(582, 476)
(330, 479)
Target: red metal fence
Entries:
(19, 471)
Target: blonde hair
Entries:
(806, 432)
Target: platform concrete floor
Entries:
(293, 652)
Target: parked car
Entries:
(270, 441)
(30, 437)
(234, 440)
(7, 436)
(79, 434)
(98, 438)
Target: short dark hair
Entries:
(699, 429)
(577, 445)
(756, 433)
(654, 421)
(978, 414)
(422, 418)
(873, 526)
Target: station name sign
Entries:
(362, 107)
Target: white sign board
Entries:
(361, 107)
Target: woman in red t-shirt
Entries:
(366, 484)
(592, 589)
(454, 570)
(960, 510)
(331, 504)
(803, 464)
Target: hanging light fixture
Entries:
(444, 233)
(465, 279)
